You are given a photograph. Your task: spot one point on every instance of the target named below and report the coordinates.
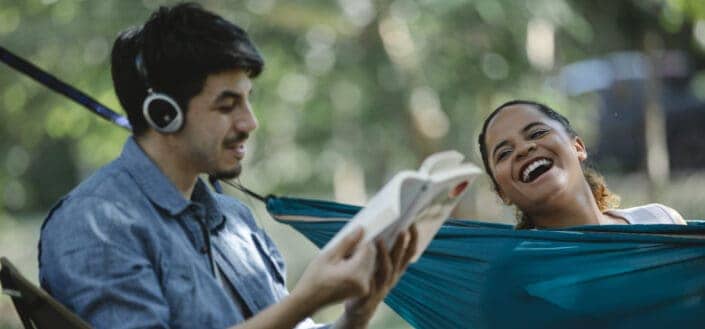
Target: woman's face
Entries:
(532, 157)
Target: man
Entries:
(144, 243)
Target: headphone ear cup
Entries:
(162, 113)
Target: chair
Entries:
(36, 308)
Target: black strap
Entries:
(91, 104)
(247, 191)
(61, 87)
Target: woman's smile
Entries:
(535, 168)
(534, 158)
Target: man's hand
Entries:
(338, 273)
(348, 270)
(390, 266)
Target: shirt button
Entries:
(204, 250)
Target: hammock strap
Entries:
(242, 189)
(61, 87)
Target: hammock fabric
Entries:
(485, 275)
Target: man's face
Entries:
(218, 122)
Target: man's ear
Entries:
(580, 149)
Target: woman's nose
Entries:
(526, 149)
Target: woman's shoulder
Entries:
(652, 213)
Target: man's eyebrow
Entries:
(227, 94)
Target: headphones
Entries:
(160, 111)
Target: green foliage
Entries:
(353, 89)
(376, 85)
(694, 9)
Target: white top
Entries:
(653, 213)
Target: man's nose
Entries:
(246, 122)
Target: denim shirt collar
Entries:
(161, 190)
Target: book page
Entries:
(442, 196)
(410, 191)
(425, 197)
(440, 161)
(382, 210)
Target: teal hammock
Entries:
(485, 275)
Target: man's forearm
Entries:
(347, 322)
(294, 309)
(357, 319)
(285, 315)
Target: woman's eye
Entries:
(538, 133)
(503, 154)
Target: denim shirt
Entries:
(125, 250)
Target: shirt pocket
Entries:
(271, 258)
(179, 289)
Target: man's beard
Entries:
(228, 174)
(234, 172)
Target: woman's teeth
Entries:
(526, 175)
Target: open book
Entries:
(425, 197)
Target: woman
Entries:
(535, 160)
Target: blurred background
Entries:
(356, 90)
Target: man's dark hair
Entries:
(179, 47)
